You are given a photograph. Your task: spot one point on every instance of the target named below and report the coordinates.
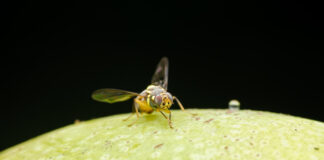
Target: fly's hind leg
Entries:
(135, 107)
(133, 112)
(181, 106)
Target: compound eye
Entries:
(170, 97)
(158, 100)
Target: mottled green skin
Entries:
(213, 134)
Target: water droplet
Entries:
(234, 105)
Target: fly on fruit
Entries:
(154, 98)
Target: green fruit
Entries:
(212, 134)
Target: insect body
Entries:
(154, 98)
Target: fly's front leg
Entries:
(181, 106)
(168, 118)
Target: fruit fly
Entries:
(154, 98)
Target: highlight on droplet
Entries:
(234, 105)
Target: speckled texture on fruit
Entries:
(212, 134)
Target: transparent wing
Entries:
(160, 76)
(109, 95)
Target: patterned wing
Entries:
(109, 95)
(160, 76)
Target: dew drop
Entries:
(234, 105)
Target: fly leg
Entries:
(181, 106)
(137, 113)
(168, 118)
(133, 112)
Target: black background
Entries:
(263, 54)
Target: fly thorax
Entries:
(152, 88)
(150, 101)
